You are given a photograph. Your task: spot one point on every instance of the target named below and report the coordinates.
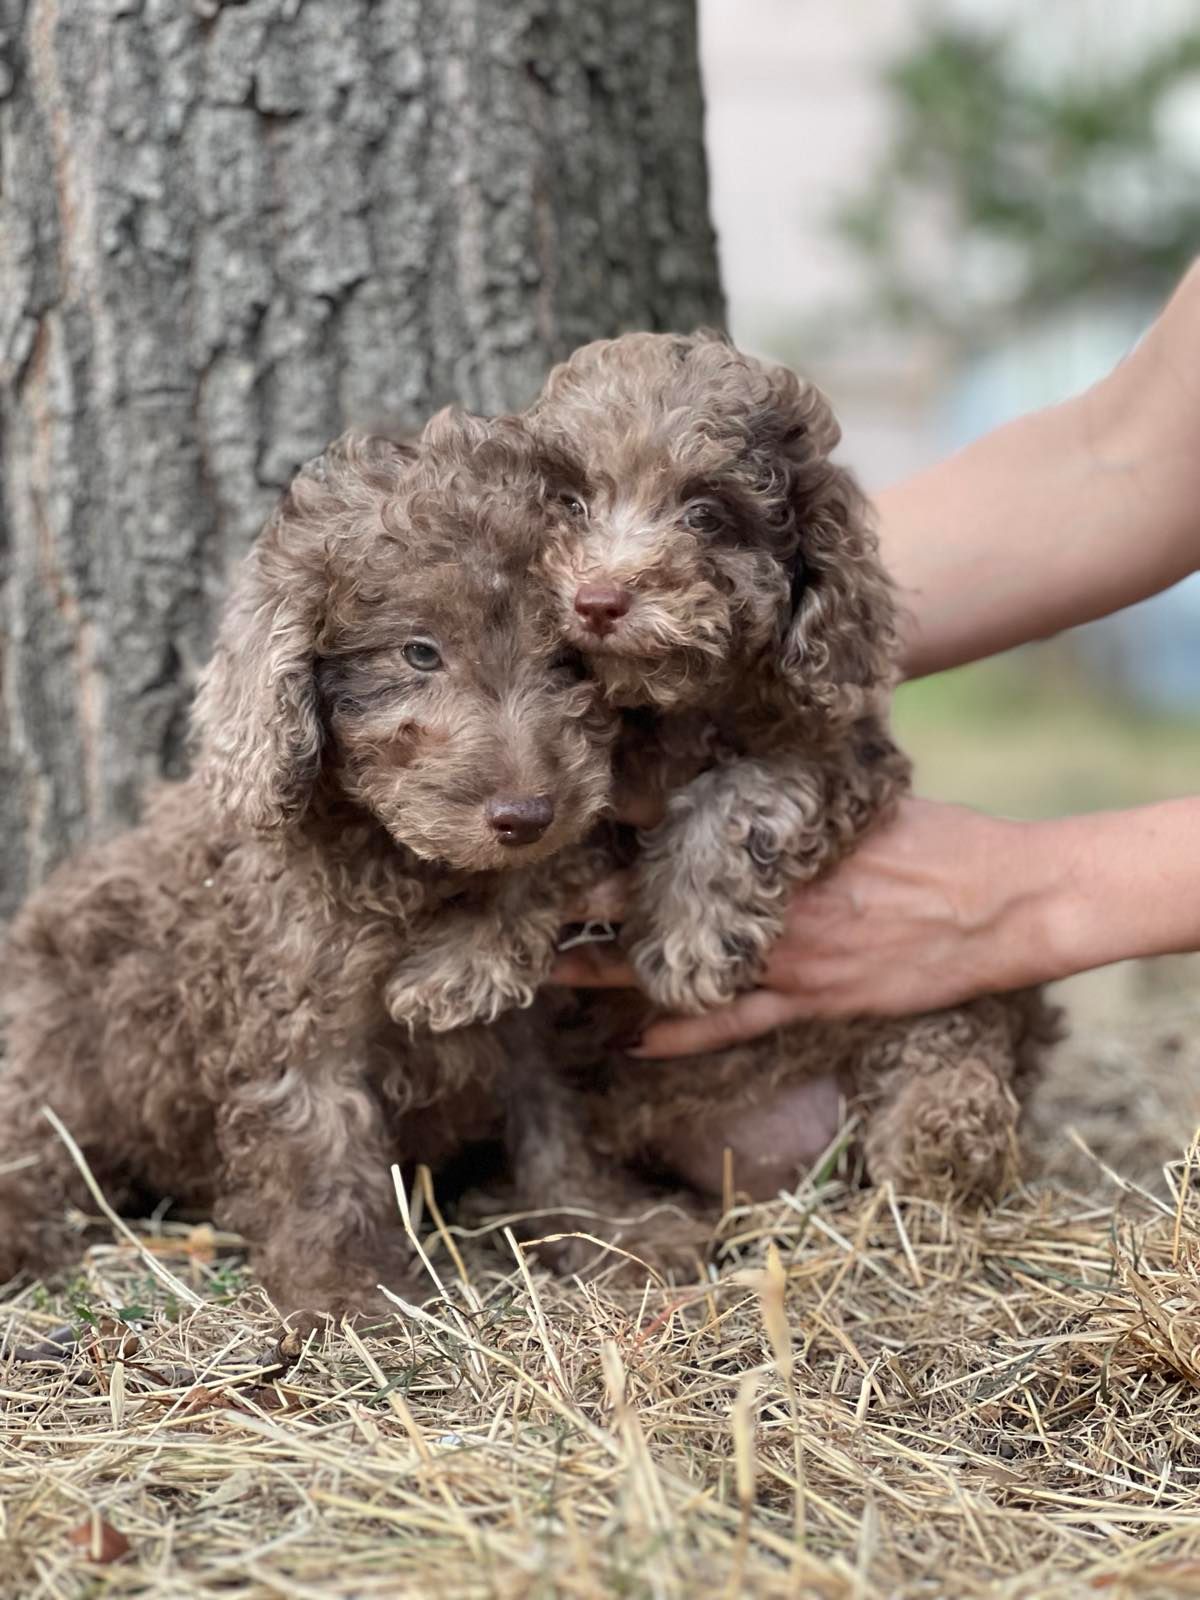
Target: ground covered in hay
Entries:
(873, 1397)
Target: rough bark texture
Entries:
(231, 229)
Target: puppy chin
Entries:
(651, 658)
(475, 848)
(593, 644)
(472, 850)
(667, 680)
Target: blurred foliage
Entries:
(1006, 188)
(1028, 734)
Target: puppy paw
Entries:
(312, 1303)
(661, 1244)
(951, 1132)
(690, 958)
(458, 998)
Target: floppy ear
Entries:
(839, 644)
(256, 718)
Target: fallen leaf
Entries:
(202, 1398)
(110, 1340)
(99, 1541)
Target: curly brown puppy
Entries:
(722, 577)
(218, 1003)
(721, 574)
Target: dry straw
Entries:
(874, 1397)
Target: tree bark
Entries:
(230, 230)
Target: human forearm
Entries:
(1060, 517)
(1115, 885)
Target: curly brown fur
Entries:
(937, 1097)
(220, 1003)
(723, 580)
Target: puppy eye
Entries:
(573, 505)
(704, 516)
(421, 654)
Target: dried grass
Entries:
(874, 1398)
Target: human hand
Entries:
(931, 909)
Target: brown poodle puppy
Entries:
(723, 580)
(218, 1004)
(722, 577)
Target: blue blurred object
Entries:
(1157, 648)
(1151, 652)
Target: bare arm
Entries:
(1062, 516)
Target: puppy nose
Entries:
(602, 605)
(520, 821)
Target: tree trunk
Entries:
(230, 230)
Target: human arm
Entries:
(1060, 517)
(944, 903)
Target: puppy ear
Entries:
(256, 718)
(839, 645)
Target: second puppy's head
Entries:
(389, 643)
(706, 530)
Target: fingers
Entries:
(640, 810)
(745, 1018)
(603, 902)
(593, 966)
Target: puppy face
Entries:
(657, 580)
(404, 639)
(703, 527)
(454, 713)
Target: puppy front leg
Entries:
(306, 1179)
(471, 966)
(713, 878)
